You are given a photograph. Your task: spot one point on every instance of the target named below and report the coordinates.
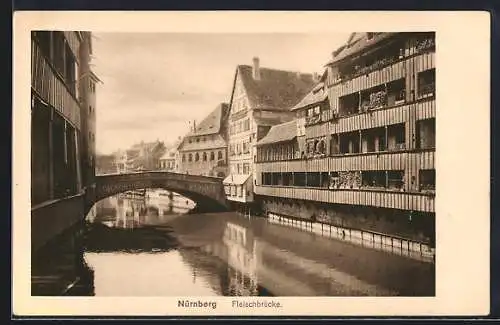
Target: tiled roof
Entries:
(212, 123)
(219, 142)
(317, 95)
(170, 154)
(356, 43)
(236, 179)
(269, 121)
(279, 133)
(275, 89)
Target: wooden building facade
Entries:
(365, 138)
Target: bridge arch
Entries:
(207, 192)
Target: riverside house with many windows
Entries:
(362, 151)
(203, 151)
(261, 98)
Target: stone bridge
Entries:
(207, 192)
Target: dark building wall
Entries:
(394, 222)
(55, 113)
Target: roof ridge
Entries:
(279, 70)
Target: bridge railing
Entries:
(157, 174)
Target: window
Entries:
(374, 178)
(246, 168)
(219, 155)
(349, 142)
(196, 157)
(427, 179)
(349, 104)
(212, 156)
(197, 139)
(427, 83)
(183, 157)
(90, 110)
(426, 133)
(204, 156)
(396, 137)
(58, 52)
(70, 69)
(190, 157)
(395, 179)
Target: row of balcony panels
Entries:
(371, 161)
(49, 86)
(421, 110)
(381, 199)
(390, 73)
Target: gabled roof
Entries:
(317, 95)
(280, 133)
(356, 43)
(212, 123)
(275, 89)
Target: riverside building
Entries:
(261, 97)
(203, 151)
(62, 131)
(361, 153)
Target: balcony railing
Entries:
(313, 119)
(51, 87)
(421, 46)
(377, 198)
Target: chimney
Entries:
(256, 68)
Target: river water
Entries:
(151, 246)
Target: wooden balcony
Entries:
(424, 109)
(386, 160)
(51, 87)
(383, 199)
(386, 74)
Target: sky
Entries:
(153, 84)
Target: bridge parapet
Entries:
(204, 190)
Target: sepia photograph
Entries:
(193, 165)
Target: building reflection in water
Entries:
(159, 253)
(59, 268)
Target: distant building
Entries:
(261, 98)
(87, 96)
(139, 157)
(105, 164)
(203, 151)
(167, 162)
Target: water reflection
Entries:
(149, 246)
